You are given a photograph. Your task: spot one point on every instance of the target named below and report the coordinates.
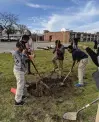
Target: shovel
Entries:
(39, 75)
(62, 83)
(41, 82)
(74, 115)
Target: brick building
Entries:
(52, 36)
(67, 36)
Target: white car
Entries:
(13, 38)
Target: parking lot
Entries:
(9, 46)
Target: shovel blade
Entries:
(70, 116)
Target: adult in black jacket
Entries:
(95, 58)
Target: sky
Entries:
(53, 15)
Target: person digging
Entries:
(23, 41)
(29, 46)
(58, 57)
(26, 45)
(20, 65)
(81, 58)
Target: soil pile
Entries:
(54, 85)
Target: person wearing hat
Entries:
(81, 58)
(58, 57)
(24, 39)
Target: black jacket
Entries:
(93, 56)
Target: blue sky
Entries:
(53, 15)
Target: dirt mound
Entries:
(54, 85)
(51, 106)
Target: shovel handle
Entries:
(39, 75)
(86, 106)
(35, 68)
(66, 76)
(33, 65)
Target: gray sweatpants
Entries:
(58, 64)
(20, 77)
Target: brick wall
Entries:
(52, 36)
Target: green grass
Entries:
(45, 105)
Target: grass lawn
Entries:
(46, 108)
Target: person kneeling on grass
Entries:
(20, 59)
(81, 58)
(59, 57)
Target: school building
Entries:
(67, 36)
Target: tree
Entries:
(8, 21)
(22, 28)
(10, 30)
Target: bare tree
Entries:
(8, 22)
(22, 28)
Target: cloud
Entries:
(91, 27)
(83, 19)
(77, 21)
(42, 6)
(76, 1)
(35, 5)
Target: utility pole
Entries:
(37, 33)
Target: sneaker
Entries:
(24, 97)
(55, 69)
(19, 103)
(79, 85)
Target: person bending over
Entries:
(81, 58)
